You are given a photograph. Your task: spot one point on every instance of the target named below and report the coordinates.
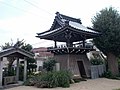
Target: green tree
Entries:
(107, 21)
(27, 47)
(31, 63)
(49, 64)
(6, 46)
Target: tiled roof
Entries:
(62, 23)
(13, 51)
(61, 16)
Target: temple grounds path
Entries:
(91, 84)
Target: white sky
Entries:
(20, 19)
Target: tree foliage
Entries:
(27, 47)
(107, 21)
(49, 64)
(6, 46)
(31, 63)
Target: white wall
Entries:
(39, 63)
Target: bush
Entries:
(117, 89)
(63, 78)
(51, 79)
(27, 83)
(107, 74)
(42, 84)
(76, 80)
(119, 64)
(49, 64)
(31, 81)
(96, 61)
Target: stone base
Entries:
(13, 85)
(1, 87)
(70, 62)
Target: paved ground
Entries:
(95, 84)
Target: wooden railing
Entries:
(87, 45)
(9, 80)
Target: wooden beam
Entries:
(83, 51)
(55, 44)
(72, 50)
(25, 69)
(1, 72)
(17, 70)
(68, 50)
(78, 51)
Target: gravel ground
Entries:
(91, 84)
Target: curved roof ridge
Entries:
(65, 17)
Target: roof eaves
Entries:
(12, 50)
(81, 27)
(54, 22)
(50, 32)
(25, 53)
(83, 31)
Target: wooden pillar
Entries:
(84, 38)
(68, 37)
(1, 71)
(68, 62)
(83, 43)
(55, 44)
(25, 69)
(68, 43)
(57, 66)
(17, 70)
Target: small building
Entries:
(71, 56)
(17, 54)
(41, 54)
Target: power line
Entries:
(15, 7)
(38, 43)
(23, 10)
(38, 7)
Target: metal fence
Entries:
(97, 71)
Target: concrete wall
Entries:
(39, 63)
(62, 59)
(69, 61)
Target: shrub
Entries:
(42, 84)
(49, 64)
(31, 81)
(119, 64)
(51, 79)
(27, 83)
(117, 89)
(76, 80)
(107, 74)
(96, 61)
(63, 78)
